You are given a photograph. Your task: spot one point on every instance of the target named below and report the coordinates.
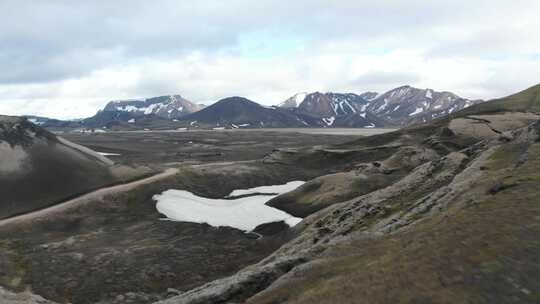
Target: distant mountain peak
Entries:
(133, 112)
(240, 112)
(406, 104)
(400, 106)
(167, 106)
(235, 99)
(294, 101)
(332, 109)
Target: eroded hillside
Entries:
(38, 169)
(457, 223)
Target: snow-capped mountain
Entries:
(156, 112)
(171, 107)
(294, 101)
(334, 110)
(369, 96)
(398, 107)
(406, 105)
(330, 104)
(324, 105)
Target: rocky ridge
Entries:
(401, 106)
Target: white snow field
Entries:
(243, 213)
(108, 154)
(279, 189)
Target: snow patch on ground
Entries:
(127, 108)
(417, 111)
(343, 104)
(334, 107)
(350, 107)
(84, 131)
(108, 154)
(243, 213)
(329, 121)
(151, 108)
(290, 186)
(383, 106)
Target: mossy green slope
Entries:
(524, 101)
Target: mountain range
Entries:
(399, 107)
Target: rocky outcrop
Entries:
(238, 287)
(7, 297)
(438, 186)
(366, 177)
(491, 126)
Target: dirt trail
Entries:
(86, 198)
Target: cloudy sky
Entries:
(66, 59)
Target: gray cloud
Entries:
(51, 42)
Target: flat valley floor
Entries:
(163, 147)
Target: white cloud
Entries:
(70, 60)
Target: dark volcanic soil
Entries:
(105, 250)
(200, 146)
